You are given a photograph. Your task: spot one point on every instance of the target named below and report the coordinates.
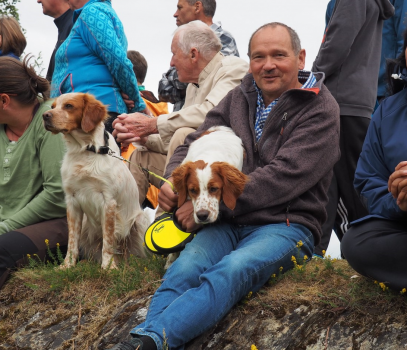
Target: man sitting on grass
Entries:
(289, 124)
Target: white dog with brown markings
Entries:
(105, 220)
(211, 172)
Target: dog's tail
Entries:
(136, 237)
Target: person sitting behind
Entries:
(140, 67)
(32, 201)
(170, 88)
(211, 75)
(288, 122)
(156, 108)
(375, 244)
(12, 39)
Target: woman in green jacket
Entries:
(32, 207)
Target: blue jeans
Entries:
(221, 265)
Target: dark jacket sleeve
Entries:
(372, 174)
(344, 26)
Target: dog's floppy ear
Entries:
(94, 112)
(180, 177)
(233, 182)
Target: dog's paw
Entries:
(109, 265)
(66, 265)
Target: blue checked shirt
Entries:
(305, 77)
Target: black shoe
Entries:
(132, 344)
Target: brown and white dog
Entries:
(105, 220)
(211, 172)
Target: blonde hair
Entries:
(13, 39)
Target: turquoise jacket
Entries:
(93, 59)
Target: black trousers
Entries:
(344, 205)
(376, 248)
(15, 245)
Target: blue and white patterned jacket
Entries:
(94, 59)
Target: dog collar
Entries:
(102, 150)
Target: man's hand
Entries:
(133, 127)
(185, 217)
(397, 185)
(167, 199)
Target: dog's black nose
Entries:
(47, 115)
(202, 215)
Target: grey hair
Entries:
(197, 34)
(295, 39)
(209, 6)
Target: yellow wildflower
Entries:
(403, 291)
(281, 268)
(249, 295)
(383, 286)
(28, 256)
(253, 347)
(375, 282)
(293, 259)
(305, 257)
(323, 253)
(57, 244)
(273, 275)
(145, 269)
(300, 244)
(47, 242)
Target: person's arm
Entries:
(297, 166)
(111, 51)
(50, 202)
(372, 174)
(344, 26)
(170, 89)
(227, 78)
(399, 23)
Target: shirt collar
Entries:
(209, 68)
(306, 78)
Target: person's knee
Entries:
(179, 137)
(348, 246)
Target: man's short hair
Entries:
(139, 65)
(295, 40)
(197, 34)
(209, 6)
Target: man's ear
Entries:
(198, 7)
(194, 54)
(94, 112)
(180, 177)
(301, 59)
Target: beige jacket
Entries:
(220, 76)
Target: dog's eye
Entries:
(68, 105)
(213, 189)
(192, 190)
